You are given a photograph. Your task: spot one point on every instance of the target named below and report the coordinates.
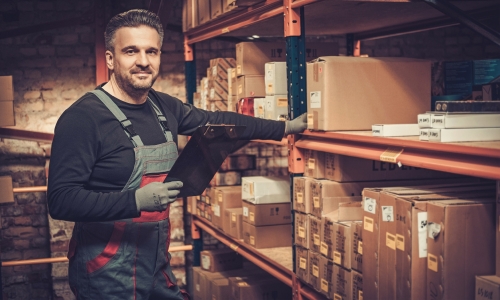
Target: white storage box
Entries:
(259, 107)
(464, 135)
(276, 78)
(277, 107)
(465, 120)
(395, 129)
(262, 190)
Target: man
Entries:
(112, 150)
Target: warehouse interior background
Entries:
(53, 67)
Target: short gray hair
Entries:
(131, 18)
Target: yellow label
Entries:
(311, 163)
(324, 285)
(252, 240)
(390, 241)
(360, 295)
(337, 297)
(260, 110)
(400, 242)
(233, 73)
(303, 263)
(252, 217)
(316, 239)
(315, 271)
(220, 197)
(316, 202)
(282, 102)
(251, 189)
(300, 198)
(225, 30)
(391, 155)
(302, 232)
(310, 120)
(240, 89)
(337, 257)
(368, 224)
(238, 69)
(234, 246)
(360, 247)
(432, 262)
(242, 283)
(324, 249)
(270, 88)
(233, 217)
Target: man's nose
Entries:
(142, 59)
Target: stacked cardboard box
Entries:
(276, 101)
(218, 83)
(6, 101)
(266, 212)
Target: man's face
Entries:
(136, 58)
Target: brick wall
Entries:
(53, 68)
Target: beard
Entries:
(133, 84)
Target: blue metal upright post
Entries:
(190, 71)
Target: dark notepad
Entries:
(203, 155)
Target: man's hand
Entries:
(296, 125)
(156, 196)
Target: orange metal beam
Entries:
(21, 134)
(30, 189)
(283, 142)
(292, 19)
(188, 50)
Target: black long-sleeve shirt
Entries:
(92, 158)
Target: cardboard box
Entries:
(236, 223)
(202, 281)
(337, 93)
(251, 57)
(190, 15)
(336, 241)
(6, 189)
(327, 281)
(424, 120)
(342, 288)
(251, 86)
(314, 164)
(191, 205)
(456, 135)
(424, 134)
(276, 79)
(301, 263)
(244, 106)
(267, 236)
(231, 214)
(6, 101)
(226, 178)
(314, 270)
(217, 105)
(276, 107)
(220, 260)
(357, 246)
(264, 288)
(314, 233)
(265, 189)
(387, 246)
(259, 107)
(301, 194)
(487, 288)
(451, 270)
(197, 284)
(204, 13)
(343, 168)
(267, 214)
(356, 285)
(231, 77)
(301, 226)
(225, 197)
(215, 8)
(326, 195)
(220, 289)
(395, 130)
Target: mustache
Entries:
(138, 70)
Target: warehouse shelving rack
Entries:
(357, 20)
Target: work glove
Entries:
(296, 125)
(156, 196)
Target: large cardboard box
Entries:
(220, 260)
(301, 263)
(220, 289)
(204, 13)
(342, 288)
(452, 271)
(327, 281)
(314, 270)
(276, 79)
(357, 246)
(215, 8)
(302, 194)
(230, 216)
(314, 164)
(251, 86)
(314, 233)
(387, 247)
(276, 107)
(259, 107)
(343, 168)
(6, 189)
(326, 195)
(356, 285)
(263, 288)
(218, 76)
(267, 214)
(267, 236)
(6, 101)
(251, 57)
(353, 93)
(202, 286)
(301, 226)
(236, 230)
(224, 197)
(487, 287)
(190, 14)
(265, 189)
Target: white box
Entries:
(395, 129)
(465, 120)
(424, 134)
(263, 189)
(259, 105)
(424, 120)
(277, 107)
(464, 134)
(275, 78)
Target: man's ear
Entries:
(109, 59)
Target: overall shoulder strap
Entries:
(126, 124)
(162, 120)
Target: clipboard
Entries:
(202, 157)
